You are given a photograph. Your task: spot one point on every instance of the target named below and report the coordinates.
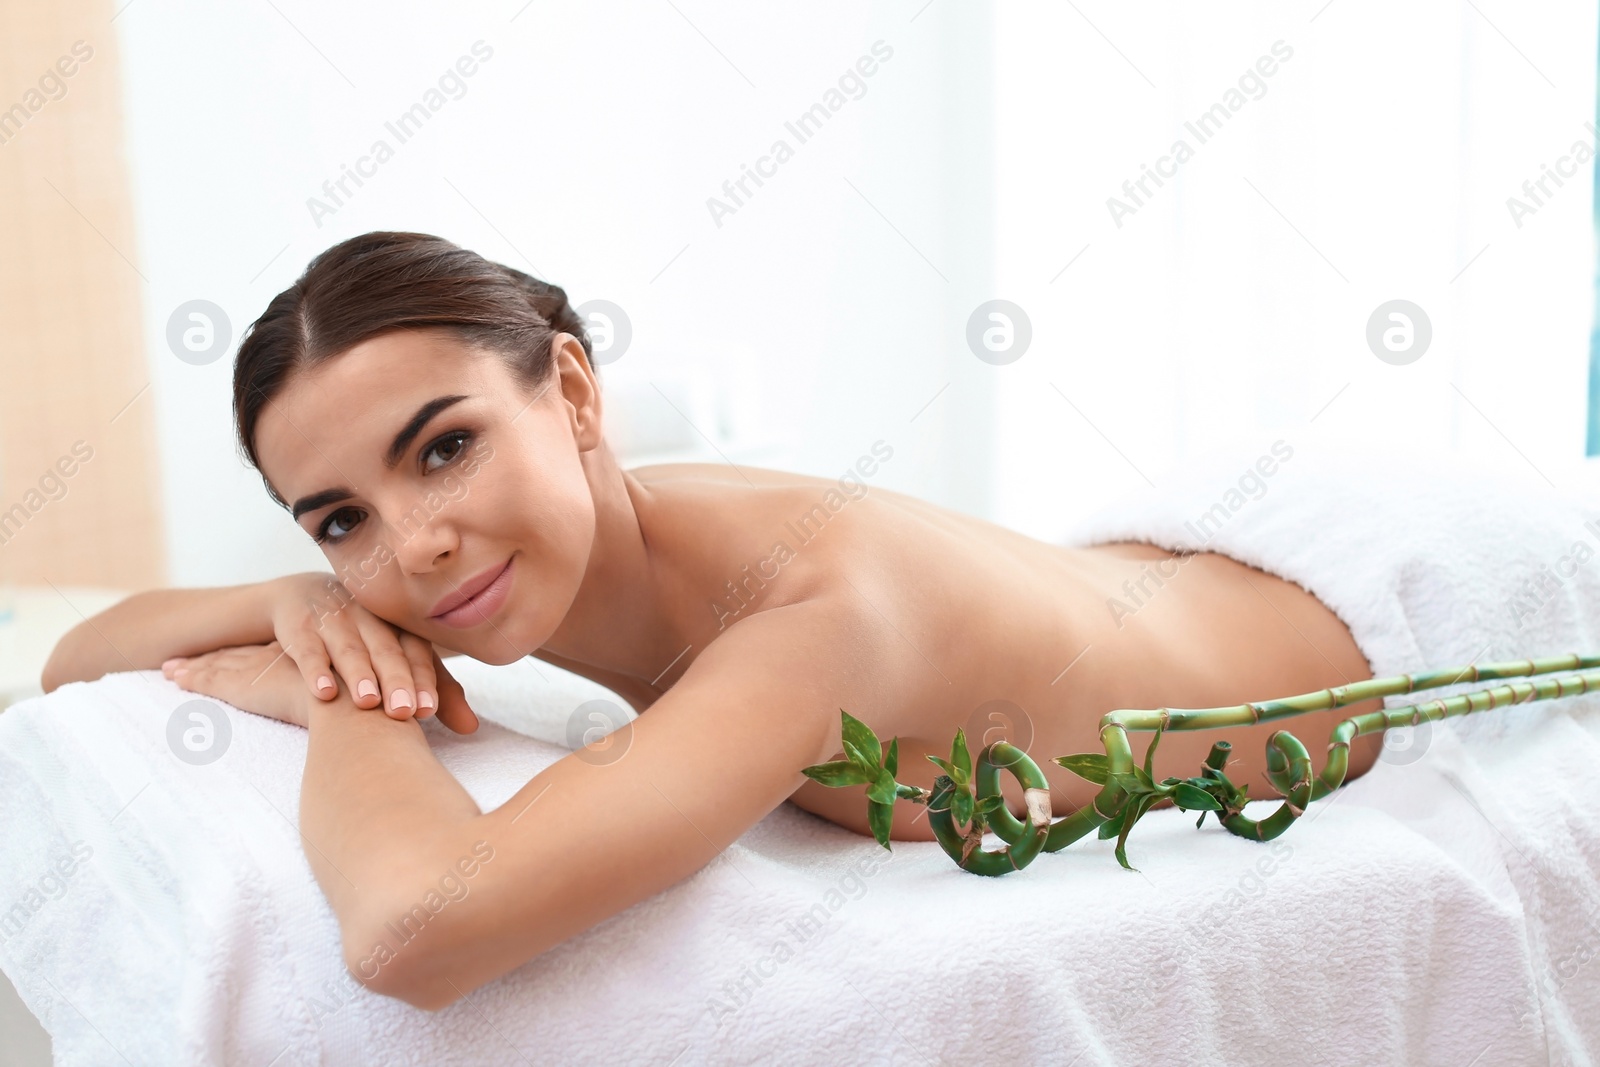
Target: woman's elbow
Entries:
(48, 682)
(58, 669)
(404, 970)
(390, 981)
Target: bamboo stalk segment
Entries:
(1128, 791)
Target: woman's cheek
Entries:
(568, 531)
(481, 453)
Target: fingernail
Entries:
(324, 682)
(171, 662)
(180, 672)
(400, 698)
(425, 700)
(367, 688)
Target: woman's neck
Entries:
(619, 621)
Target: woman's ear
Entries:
(580, 388)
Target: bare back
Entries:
(991, 631)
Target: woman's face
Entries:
(428, 474)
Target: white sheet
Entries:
(1441, 912)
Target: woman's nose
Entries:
(421, 537)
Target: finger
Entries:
(189, 665)
(454, 711)
(392, 666)
(198, 670)
(208, 664)
(311, 656)
(179, 668)
(420, 655)
(349, 652)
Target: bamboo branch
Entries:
(1128, 791)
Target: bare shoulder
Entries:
(717, 473)
(805, 658)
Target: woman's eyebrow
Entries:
(318, 500)
(397, 448)
(409, 431)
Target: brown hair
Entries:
(383, 281)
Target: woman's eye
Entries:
(338, 525)
(446, 449)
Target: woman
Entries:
(433, 420)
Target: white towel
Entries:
(1441, 912)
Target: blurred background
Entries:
(967, 230)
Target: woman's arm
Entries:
(436, 898)
(372, 800)
(145, 629)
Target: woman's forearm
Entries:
(145, 629)
(375, 804)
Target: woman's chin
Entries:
(504, 659)
(497, 650)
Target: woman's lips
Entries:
(477, 610)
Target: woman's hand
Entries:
(327, 633)
(263, 679)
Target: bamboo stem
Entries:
(1128, 791)
(1291, 755)
(1340, 696)
(1024, 840)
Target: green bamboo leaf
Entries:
(1113, 826)
(1129, 783)
(961, 807)
(859, 758)
(988, 804)
(837, 773)
(961, 758)
(1138, 808)
(882, 791)
(1190, 799)
(891, 759)
(1150, 755)
(1144, 778)
(860, 734)
(1091, 765)
(880, 817)
(1200, 820)
(943, 765)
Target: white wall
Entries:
(831, 310)
(584, 151)
(1232, 306)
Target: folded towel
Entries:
(1439, 911)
